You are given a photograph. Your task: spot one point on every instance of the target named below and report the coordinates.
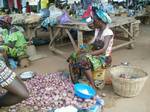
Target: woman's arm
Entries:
(101, 51)
(95, 36)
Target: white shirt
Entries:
(101, 36)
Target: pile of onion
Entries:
(51, 91)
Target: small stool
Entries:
(99, 77)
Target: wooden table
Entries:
(125, 23)
(29, 22)
(144, 18)
(31, 30)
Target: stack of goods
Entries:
(49, 92)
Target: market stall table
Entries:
(29, 22)
(144, 18)
(125, 23)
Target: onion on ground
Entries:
(51, 91)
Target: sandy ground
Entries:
(139, 56)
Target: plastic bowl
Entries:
(27, 75)
(84, 91)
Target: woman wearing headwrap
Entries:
(14, 44)
(101, 45)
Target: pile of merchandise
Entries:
(52, 91)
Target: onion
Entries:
(51, 91)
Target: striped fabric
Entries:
(6, 75)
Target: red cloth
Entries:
(88, 12)
(10, 3)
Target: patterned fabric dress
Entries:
(20, 43)
(6, 75)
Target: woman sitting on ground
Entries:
(101, 45)
(16, 90)
(13, 44)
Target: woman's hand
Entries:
(97, 52)
(83, 54)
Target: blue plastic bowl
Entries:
(84, 91)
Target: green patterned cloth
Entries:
(97, 61)
(20, 43)
(86, 61)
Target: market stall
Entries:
(125, 23)
(144, 17)
(28, 21)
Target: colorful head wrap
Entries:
(103, 16)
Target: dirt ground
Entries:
(139, 56)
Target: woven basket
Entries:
(128, 87)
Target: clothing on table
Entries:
(44, 4)
(6, 75)
(49, 21)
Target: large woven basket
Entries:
(128, 87)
